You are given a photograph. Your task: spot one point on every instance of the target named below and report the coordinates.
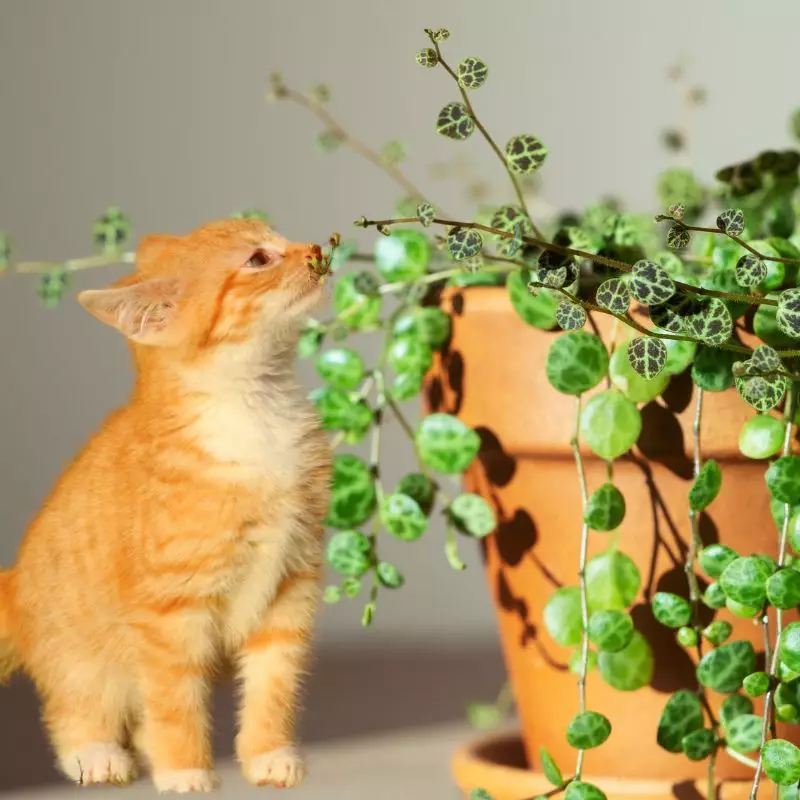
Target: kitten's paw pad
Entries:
(185, 780)
(99, 762)
(283, 768)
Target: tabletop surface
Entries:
(388, 766)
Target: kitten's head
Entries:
(234, 282)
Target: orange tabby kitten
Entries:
(188, 532)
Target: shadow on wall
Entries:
(354, 695)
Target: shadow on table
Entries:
(349, 694)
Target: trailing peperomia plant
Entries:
(721, 302)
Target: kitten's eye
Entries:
(259, 259)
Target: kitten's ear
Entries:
(142, 311)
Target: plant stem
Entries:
(622, 266)
(584, 546)
(74, 264)
(555, 791)
(628, 320)
(695, 544)
(788, 414)
(486, 135)
(354, 144)
(738, 241)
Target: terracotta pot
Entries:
(493, 378)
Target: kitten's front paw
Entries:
(282, 768)
(99, 762)
(185, 780)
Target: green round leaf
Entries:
(613, 295)
(714, 596)
(407, 385)
(756, 684)
(402, 517)
(580, 790)
(678, 237)
(647, 356)
(562, 616)
(525, 153)
(699, 745)
(783, 479)
(472, 515)
(740, 609)
(570, 316)
(455, 122)
(331, 595)
(605, 508)
(353, 492)
(680, 355)
(712, 368)
(761, 436)
(610, 424)
(733, 707)
(575, 663)
(682, 715)
(310, 342)
(338, 412)
(351, 587)
(715, 558)
(788, 314)
(403, 255)
(705, 486)
(790, 646)
(464, 243)
(687, 637)
(446, 444)
(765, 326)
(724, 668)
(783, 589)
(409, 354)
(538, 310)
(587, 730)
(650, 284)
(348, 552)
(612, 581)
(718, 631)
(731, 220)
(781, 761)
(472, 73)
(427, 57)
(550, 768)
(611, 630)
(745, 580)
(341, 367)
(671, 610)
(352, 306)
(710, 321)
(630, 668)
(750, 270)
(576, 362)
(419, 487)
(629, 381)
(426, 214)
(389, 575)
(427, 323)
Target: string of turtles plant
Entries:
(697, 305)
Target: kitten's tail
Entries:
(8, 654)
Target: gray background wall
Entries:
(159, 107)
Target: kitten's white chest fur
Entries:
(257, 434)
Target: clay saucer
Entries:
(498, 764)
